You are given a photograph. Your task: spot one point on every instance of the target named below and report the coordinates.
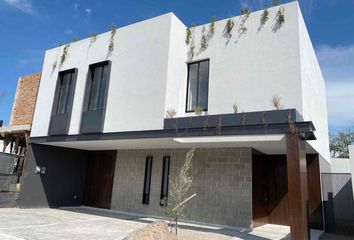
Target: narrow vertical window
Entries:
(198, 84)
(63, 102)
(147, 180)
(165, 178)
(99, 75)
(64, 91)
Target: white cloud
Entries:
(23, 5)
(337, 64)
(76, 7)
(88, 11)
(68, 31)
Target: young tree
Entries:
(180, 187)
(339, 143)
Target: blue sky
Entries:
(29, 27)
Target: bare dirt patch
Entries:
(154, 231)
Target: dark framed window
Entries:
(63, 102)
(99, 78)
(147, 180)
(197, 85)
(96, 93)
(165, 179)
(64, 86)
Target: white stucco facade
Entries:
(149, 72)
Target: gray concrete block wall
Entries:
(222, 179)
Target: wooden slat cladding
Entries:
(99, 179)
(314, 191)
(297, 187)
(270, 203)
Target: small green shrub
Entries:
(198, 110)
(171, 112)
(235, 108)
(245, 11)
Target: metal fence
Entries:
(338, 202)
(10, 174)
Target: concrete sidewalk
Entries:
(92, 224)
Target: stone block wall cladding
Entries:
(25, 99)
(222, 179)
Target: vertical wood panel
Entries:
(297, 187)
(99, 179)
(314, 191)
(269, 189)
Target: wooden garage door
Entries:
(99, 179)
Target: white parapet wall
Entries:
(149, 72)
(351, 159)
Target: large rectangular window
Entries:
(99, 76)
(64, 86)
(96, 94)
(198, 84)
(147, 180)
(63, 102)
(165, 178)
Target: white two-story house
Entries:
(117, 112)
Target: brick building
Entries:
(25, 99)
(14, 138)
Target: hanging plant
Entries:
(203, 43)
(189, 33)
(264, 16)
(111, 40)
(54, 65)
(93, 38)
(212, 26)
(229, 26)
(65, 54)
(245, 11)
(191, 51)
(243, 29)
(281, 16)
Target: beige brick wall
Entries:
(25, 99)
(222, 179)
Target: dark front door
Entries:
(269, 190)
(99, 179)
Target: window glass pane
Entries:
(203, 84)
(65, 83)
(165, 178)
(192, 86)
(147, 180)
(95, 88)
(103, 87)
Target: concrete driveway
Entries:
(92, 224)
(41, 224)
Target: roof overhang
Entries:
(263, 131)
(14, 129)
